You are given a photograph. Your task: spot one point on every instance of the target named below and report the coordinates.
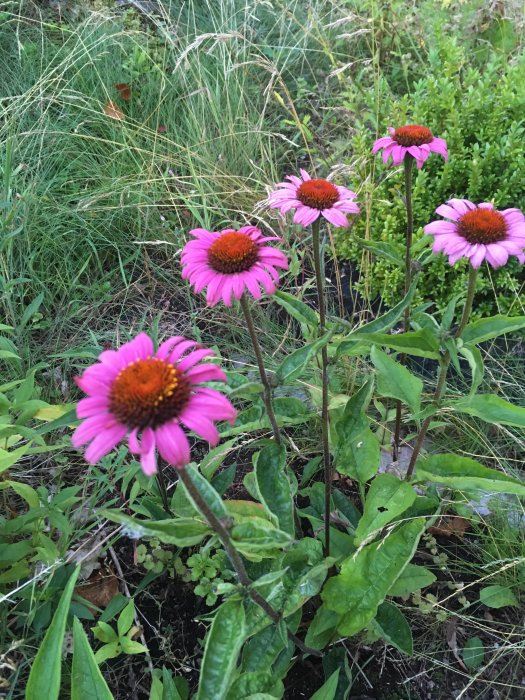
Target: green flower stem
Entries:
(408, 165)
(236, 560)
(319, 279)
(444, 365)
(267, 390)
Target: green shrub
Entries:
(480, 114)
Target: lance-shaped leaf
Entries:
(420, 343)
(47, 666)
(366, 577)
(274, 487)
(307, 317)
(87, 682)
(473, 356)
(379, 325)
(387, 498)
(396, 381)
(492, 409)
(488, 328)
(466, 474)
(295, 363)
(182, 532)
(223, 644)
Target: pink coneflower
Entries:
(414, 139)
(136, 390)
(312, 199)
(478, 232)
(231, 262)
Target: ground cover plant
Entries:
(225, 475)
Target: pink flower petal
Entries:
(104, 443)
(173, 444)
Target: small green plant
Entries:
(210, 569)
(119, 641)
(157, 559)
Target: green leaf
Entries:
(263, 648)
(382, 249)
(131, 647)
(366, 577)
(223, 643)
(104, 632)
(492, 409)
(492, 327)
(256, 684)
(393, 627)
(108, 651)
(7, 459)
(215, 458)
(328, 689)
(182, 532)
(256, 536)
(307, 317)
(31, 310)
(465, 474)
(413, 578)
(396, 381)
(322, 628)
(25, 491)
(358, 453)
(87, 682)
(206, 490)
(379, 325)
(295, 363)
(387, 498)
(497, 597)
(473, 653)
(8, 355)
(274, 487)
(125, 619)
(46, 668)
(421, 343)
(475, 360)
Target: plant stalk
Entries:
(236, 559)
(319, 279)
(444, 365)
(408, 165)
(161, 482)
(267, 390)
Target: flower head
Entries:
(478, 232)
(231, 262)
(312, 199)
(414, 139)
(136, 390)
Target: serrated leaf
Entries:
(87, 682)
(223, 644)
(465, 474)
(387, 498)
(395, 380)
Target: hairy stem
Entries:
(316, 243)
(236, 559)
(444, 365)
(408, 165)
(267, 390)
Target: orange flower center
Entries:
(233, 252)
(148, 393)
(318, 194)
(412, 135)
(483, 226)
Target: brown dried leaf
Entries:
(112, 111)
(450, 526)
(124, 90)
(99, 589)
